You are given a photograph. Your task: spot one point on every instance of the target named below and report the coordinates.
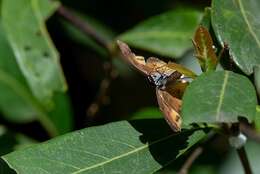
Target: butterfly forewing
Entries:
(137, 61)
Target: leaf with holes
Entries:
(220, 97)
(236, 22)
(13, 89)
(36, 55)
(168, 34)
(139, 148)
(26, 108)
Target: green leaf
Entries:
(236, 23)
(116, 147)
(13, 89)
(61, 115)
(35, 53)
(148, 113)
(76, 35)
(206, 19)
(168, 34)
(257, 78)
(220, 97)
(257, 118)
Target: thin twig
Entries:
(188, 163)
(102, 96)
(82, 25)
(244, 160)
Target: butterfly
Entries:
(167, 77)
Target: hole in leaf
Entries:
(46, 54)
(27, 48)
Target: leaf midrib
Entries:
(123, 155)
(221, 96)
(250, 28)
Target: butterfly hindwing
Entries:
(170, 107)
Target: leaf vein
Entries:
(221, 96)
(122, 155)
(250, 28)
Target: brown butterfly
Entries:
(165, 76)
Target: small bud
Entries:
(237, 141)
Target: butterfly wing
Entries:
(176, 88)
(137, 61)
(170, 106)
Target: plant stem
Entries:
(83, 25)
(188, 163)
(244, 160)
(110, 72)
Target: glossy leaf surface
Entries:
(219, 97)
(138, 148)
(235, 22)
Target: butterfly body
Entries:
(160, 80)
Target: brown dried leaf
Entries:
(205, 52)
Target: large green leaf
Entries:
(35, 53)
(118, 147)
(168, 34)
(219, 97)
(236, 23)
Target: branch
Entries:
(110, 72)
(188, 163)
(83, 25)
(244, 160)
